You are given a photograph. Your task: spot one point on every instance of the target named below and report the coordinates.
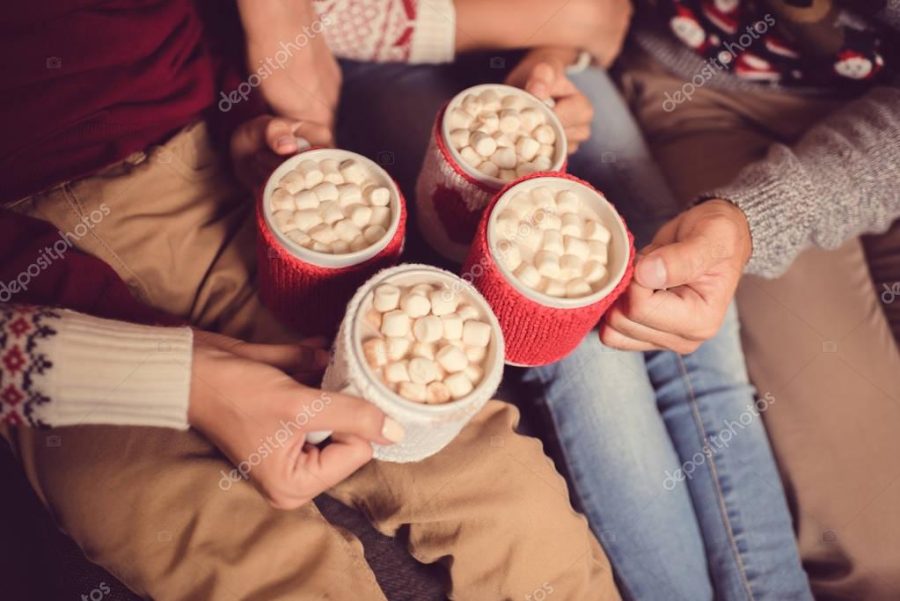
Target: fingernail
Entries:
(392, 430)
(652, 273)
(286, 144)
(538, 89)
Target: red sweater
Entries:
(87, 82)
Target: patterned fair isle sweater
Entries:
(840, 178)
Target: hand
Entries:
(303, 78)
(542, 72)
(258, 146)
(684, 282)
(244, 400)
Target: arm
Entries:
(838, 181)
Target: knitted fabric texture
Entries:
(429, 428)
(535, 334)
(414, 31)
(449, 201)
(308, 297)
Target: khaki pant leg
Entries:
(816, 339)
(492, 508)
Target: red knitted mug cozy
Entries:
(310, 298)
(535, 334)
(449, 201)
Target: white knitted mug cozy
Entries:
(429, 428)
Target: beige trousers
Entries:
(146, 503)
(817, 339)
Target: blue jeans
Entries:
(683, 494)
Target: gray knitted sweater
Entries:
(839, 180)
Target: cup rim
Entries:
(619, 243)
(496, 353)
(329, 260)
(561, 146)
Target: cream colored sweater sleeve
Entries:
(63, 368)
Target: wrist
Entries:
(733, 212)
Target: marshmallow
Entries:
(452, 325)
(358, 243)
(544, 199)
(422, 370)
(510, 256)
(547, 150)
(598, 250)
(353, 172)
(547, 221)
(469, 155)
(349, 193)
(321, 247)
(541, 163)
(571, 224)
(282, 200)
(346, 231)
(467, 311)
(459, 119)
(422, 349)
(594, 230)
(312, 175)
(284, 220)
(375, 352)
(299, 237)
(459, 138)
(452, 358)
(490, 100)
(476, 333)
(475, 354)
(509, 121)
(527, 147)
(471, 105)
(505, 158)
(571, 265)
(396, 372)
(307, 219)
(413, 391)
(544, 134)
(530, 118)
(547, 264)
(373, 318)
(340, 247)
(489, 169)
(396, 323)
(507, 174)
(528, 275)
(513, 102)
(331, 212)
(374, 233)
(293, 182)
(553, 287)
(483, 144)
(577, 287)
(386, 298)
(503, 140)
(361, 216)
(423, 289)
(474, 373)
(323, 233)
(487, 123)
(437, 393)
(525, 169)
(397, 347)
(567, 202)
(326, 191)
(415, 305)
(553, 242)
(379, 196)
(458, 385)
(381, 216)
(428, 329)
(443, 301)
(305, 199)
(576, 246)
(594, 272)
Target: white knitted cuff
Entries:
(434, 38)
(118, 373)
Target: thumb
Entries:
(541, 81)
(674, 264)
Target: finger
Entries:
(316, 133)
(618, 321)
(575, 110)
(286, 357)
(615, 339)
(542, 79)
(351, 415)
(675, 264)
(317, 470)
(280, 137)
(681, 311)
(577, 135)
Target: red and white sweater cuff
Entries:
(62, 368)
(411, 31)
